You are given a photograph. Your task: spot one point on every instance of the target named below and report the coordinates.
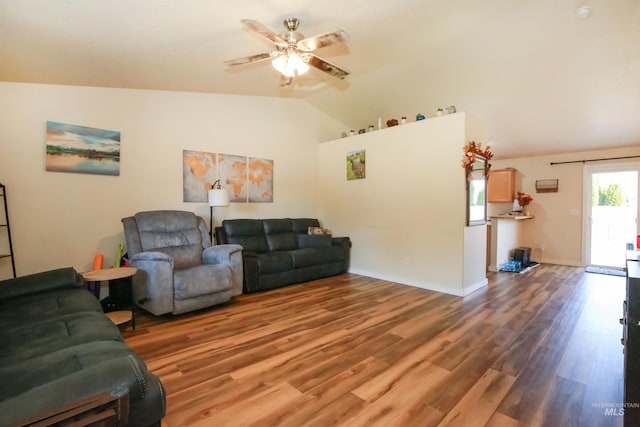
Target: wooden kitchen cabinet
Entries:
(500, 186)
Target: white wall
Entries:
(406, 219)
(559, 217)
(64, 219)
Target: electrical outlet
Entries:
(540, 247)
(405, 260)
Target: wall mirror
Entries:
(477, 192)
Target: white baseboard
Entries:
(570, 263)
(422, 285)
(470, 289)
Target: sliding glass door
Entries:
(611, 205)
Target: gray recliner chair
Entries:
(179, 269)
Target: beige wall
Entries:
(64, 219)
(61, 219)
(406, 218)
(559, 217)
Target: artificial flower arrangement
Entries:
(524, 199)
(471, 151)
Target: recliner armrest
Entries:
(220, 254)
(231, 255)
(153, 285)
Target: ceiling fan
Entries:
(292, 55)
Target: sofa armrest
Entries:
(345, 242)
(250, 270)
(231, 255)
(41, 282)
(153, 285)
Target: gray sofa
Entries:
(278, 252)
(58, 347)
(178, 269)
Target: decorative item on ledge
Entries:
(523, 200)
(471, 151)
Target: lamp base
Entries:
(211, 225)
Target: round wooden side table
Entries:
(121, 316)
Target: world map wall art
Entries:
(247, 179)
(80, 149)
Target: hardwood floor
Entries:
(537, 349)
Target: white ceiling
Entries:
(542, 80)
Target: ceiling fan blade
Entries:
(322, 40)
(285, 81)
(264, 31)
(326, 66)
(248, 59)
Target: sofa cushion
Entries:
(279, 235)
(301, 225)
(38, 337)
(46, 305)
(282, 242)
(313, 240)
(159, 230)
(274, 262)
(314, 256)
(246, 232)
(183, 256)
(201, 280)
(276, 226)
(45, 281)
(176, 235)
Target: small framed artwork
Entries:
(547, 186)
(356, 165)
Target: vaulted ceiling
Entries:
(543, 80)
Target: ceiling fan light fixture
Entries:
(292, 53)
(290, 64)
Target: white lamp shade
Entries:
(218, 197)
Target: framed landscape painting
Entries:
(356, 164)
(80, 149)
